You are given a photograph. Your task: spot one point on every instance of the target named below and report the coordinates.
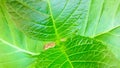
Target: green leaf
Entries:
(16, 50)
(78, 52)
(54, 20)
(41, 19)
(112, 39)
(102, 22)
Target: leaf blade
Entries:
(78, 52)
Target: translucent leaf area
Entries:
(59, 33)
(16, 50)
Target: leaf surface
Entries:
(102, 22)
(16, 50)
(78, 52)
(98, 21)
(41, 19)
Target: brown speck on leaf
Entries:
(49, 45)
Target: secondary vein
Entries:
(17, 48)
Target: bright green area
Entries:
(91, 27)
(16, 50)
(78, 52)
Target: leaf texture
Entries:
(42, 19)
(78, 52)
(16, 50)
(95, 22)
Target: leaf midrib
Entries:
(102, 33)
(53, 22)
(68, 59)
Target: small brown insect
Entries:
(49, 45)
